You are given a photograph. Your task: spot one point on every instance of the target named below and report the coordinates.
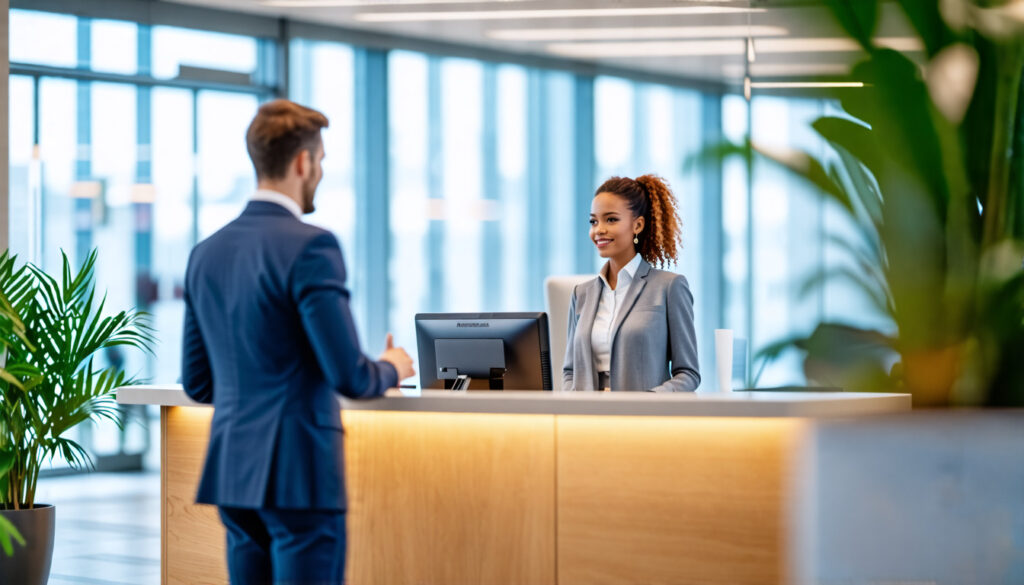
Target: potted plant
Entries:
(50, 382)
(928, 165)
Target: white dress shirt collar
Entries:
(629, 270)
(278, 198)
(609, 305)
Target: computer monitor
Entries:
(483, 351)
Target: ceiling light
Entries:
(363, 3)
(803, 84)
(555, 13)
(787, 69)
(834, 45)
(654, 32)
(720, 47)
(648, 49)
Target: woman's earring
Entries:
(635, 239)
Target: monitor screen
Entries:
(494, 351)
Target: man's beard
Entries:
(308, 192)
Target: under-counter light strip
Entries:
(553, 13)
(623, 33)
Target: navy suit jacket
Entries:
(269, 341)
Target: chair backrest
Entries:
(557, 294)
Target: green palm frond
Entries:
(51, 381)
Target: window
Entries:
(43, 38)
(175, 47)
(138, 171)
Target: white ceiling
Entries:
(793, 39)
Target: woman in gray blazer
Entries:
(631, 328)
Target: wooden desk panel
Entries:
(192, 536)
(670, 501)
(434, 499)
(451, 499)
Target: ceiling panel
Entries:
(699, 40)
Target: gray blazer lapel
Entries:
(585, 358)
(635, 288)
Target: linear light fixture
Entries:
(365, 3)
(787, 69)
(553, 13)
(624, 33)
(721, 47)
(803, 84)
(649, 49)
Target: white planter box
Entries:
(929, 497)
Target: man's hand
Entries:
(397, 357)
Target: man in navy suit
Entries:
(269, 341)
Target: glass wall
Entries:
(777, 232)
(481, 185)
(118, 141)
(136, 170)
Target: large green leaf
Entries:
(850, 358)
(924, 16)
(859, 18)
(897, 108)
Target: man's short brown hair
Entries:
(279, 132)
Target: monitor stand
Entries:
(460, 382)
(458, 359)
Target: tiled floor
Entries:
(108, 528)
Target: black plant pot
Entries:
(30, 564)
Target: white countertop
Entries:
(742, 404)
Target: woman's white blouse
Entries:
(607, 310)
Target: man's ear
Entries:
(303, 163)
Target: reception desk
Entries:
(535, 488)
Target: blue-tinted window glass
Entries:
(787, 235)
(59, 151)
(225, 175)
(44, 38)
(114, 46)
(512, 221)
(410, 167)
(174, 47)
(173, 175)
(614, 131)
(566, 227)
(25, 186)
(462, 211)
(735, 226)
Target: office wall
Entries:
(4, 68)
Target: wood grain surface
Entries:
(672, 501)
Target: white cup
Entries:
(723, 359)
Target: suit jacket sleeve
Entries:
(318, 288)
(567, 367)
(196, 375)
(682, 339)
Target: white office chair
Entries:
(557, 294)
